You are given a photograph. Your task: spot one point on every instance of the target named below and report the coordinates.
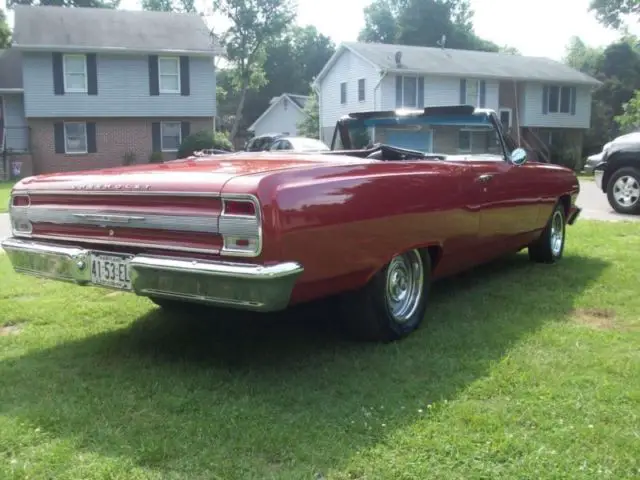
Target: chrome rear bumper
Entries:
(229, 284)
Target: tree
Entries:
(68, 3)
(5, 31)
(290, 65)
(181, 6)
(254, 24)
(309, 126)
(423, 23)
(630, 118)
(611, 12)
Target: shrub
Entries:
(156, 157)
(202, 140)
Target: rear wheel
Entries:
(393, 303)
(623, 190)
(549, 247)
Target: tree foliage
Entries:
(423, 23)
(291, 62)
(309, 126)
(181, 6)
(611, 12)
(630, 118)
(68, 3)
(5, 31)
(254, 25)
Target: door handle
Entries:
(484, 178)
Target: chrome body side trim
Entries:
(116, 218)
(228, 284)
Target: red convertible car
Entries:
(402, 199)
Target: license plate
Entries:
(110, 271)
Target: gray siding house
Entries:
(97, 86)
(540, 101)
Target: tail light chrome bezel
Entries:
(235, 226)
(20, 224)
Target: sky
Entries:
(534, 27)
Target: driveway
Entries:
(595, 205)
(593, 202)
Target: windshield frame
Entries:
(342, 126)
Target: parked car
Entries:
(594, 160)
(298, 144)
(618, 173)
(261, 143)
(374, 226)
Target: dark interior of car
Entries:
(383, 152)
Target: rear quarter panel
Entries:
(554, 182)
(343, 222)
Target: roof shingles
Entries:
(469, 63)
(106, 29)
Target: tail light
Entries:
(20, 201)
(241, 226)
(19, 221)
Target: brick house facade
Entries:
(114, 138)
(104, 97)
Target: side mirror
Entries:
(518, 156)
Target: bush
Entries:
(202, 140)
(156, 157)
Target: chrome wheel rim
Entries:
(557, 233)
(626, 191)
(404, 285)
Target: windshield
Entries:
(441, 134)
(307, 144)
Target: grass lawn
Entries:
(521, 371)
(5, 190)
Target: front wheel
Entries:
(549, 247)
(623, 190)
(393, 303)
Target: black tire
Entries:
(549, 247)
(630, 203)
(369, 313)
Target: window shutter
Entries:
(545, 100)
(420, 92)
(185, 82)
(58, 74)
(463, 91)
(398, 91)
(154, 80)
(91, 137)
(92, 74)
(483, 93)
(156, 145)
(185, 130)
(58, 137)
(573, 100)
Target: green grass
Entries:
(5, 190)
(522, 371)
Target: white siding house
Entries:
(532, 95)
(281, 116)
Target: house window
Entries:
(361, 90)
(464, 140)
(171, 136)
(343, 93)
(409, 92)
(559, 99)
(169, 74)
(473, 92)
(75, 137)
(75, 73)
